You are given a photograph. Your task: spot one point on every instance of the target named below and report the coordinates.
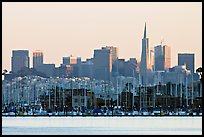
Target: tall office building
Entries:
(145, 61)
(86, 69)
(188, 59)
(152, 59)
(158, 58)
(114, 52)
(37, 58)
(69, 60)
(102, 64)
(162, 57)
(167, 57)
(20, 59)
(130, 67)
(78, 60)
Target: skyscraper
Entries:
(167, 56)
(158, 58)
(37, 58)
(86, 69)
(188, 59)
(145, 62)
(114, 52)
(20, 59)
(152, 59)
(130, 67)
(162, 59)
(102, 64)
(69, 60)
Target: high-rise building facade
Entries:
(188, 59)
(114, 52)
(102, 64)
(78, 60)
(86, 69)
(20, 59)
(47, 69)
(162, 57)
(37, 58)
(152, 59)
(167, 57)
(158, 58)
(130, 67)
(69, 60)
(145, 61)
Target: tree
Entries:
(4, 72)
(199, 71)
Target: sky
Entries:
(63, 29)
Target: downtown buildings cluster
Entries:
(149, 82)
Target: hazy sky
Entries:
(61, 29)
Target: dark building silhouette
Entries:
(188, 59)
(102, 64)
(20, 59)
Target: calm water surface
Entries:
(101, 125)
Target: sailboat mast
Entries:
(186, 87)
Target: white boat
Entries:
(156, 111)
(135, 113)
(79, 113)
(62, 113)
(170, 113)
(144, 111)
(109, 113)
(182, 113)
(43, 112)
(11, 113)
(120, 113)
(49, 114)
(5, 114)
(74, 113)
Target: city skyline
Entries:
(49, 37)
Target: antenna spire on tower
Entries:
(145, 31)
